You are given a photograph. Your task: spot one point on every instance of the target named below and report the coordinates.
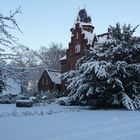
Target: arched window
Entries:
(77, 35)
(77, 48)
(43, 81)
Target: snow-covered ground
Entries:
(54, 122)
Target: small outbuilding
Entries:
(50, 80)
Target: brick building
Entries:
(49, 80)
(82, 39)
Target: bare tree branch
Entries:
(8, 23)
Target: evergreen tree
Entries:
(1, 82)
(109, 75)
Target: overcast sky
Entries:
(46, 21)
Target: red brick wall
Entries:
(72, 57)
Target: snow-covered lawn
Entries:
(54, 122)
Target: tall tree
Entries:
(108, 76)
(7, 41)
(25, 66)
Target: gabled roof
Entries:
(55, 76)
(102, 37)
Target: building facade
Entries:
(82, 40)
(49, 81)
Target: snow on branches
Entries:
(7, 41)
(108, 76)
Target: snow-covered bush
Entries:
(109, 75)
(61, 100)
(8, 99)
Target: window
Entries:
(77, 48)
(44, 81)
(77, 35)
(47, 82)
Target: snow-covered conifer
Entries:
(108, 76)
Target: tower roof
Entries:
(83, 17)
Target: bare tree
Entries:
(50, 56)
(25, 57)
(7, 41)
(8, 23)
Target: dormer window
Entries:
(77, 48)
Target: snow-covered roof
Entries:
(102, 38)
(63, 58)
(86, 24)
(83, 19)
(55, 76)
(89, 36)
(81, 24)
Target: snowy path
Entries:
(70, 123)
